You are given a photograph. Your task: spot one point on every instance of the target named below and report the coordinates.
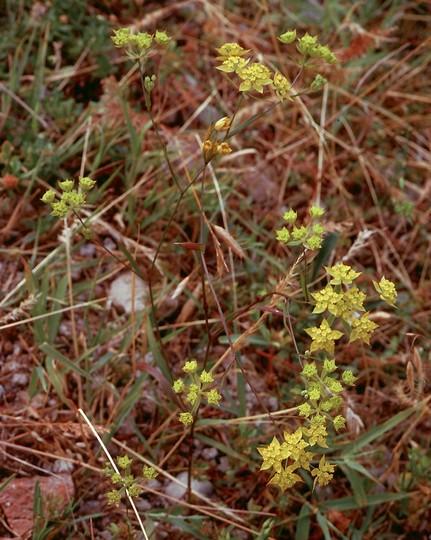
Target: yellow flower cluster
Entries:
(70, 199)
(257, 76)
(137, 45)
(211, 149)
(196, 390)
(310, 235)
(286, 457)
(128, 482)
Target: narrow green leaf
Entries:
(376, 432)
(53, 353)
(6, 482)
(357, 484)
(55, 379)
(303, 527)
(349, 503)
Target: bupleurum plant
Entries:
(252, 77)
(343, 302)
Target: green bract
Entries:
(161, 37)
(48, 197)
(288, 37)
(66, 185)
(318, 82)
(86, 183)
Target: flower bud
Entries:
(49, 197)
(149, 83)
(318, 82)
(86, 183)
(288, 37)
(224, 149)
(223, 124)
(161, 38)
(66, 185)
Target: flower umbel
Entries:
(323, 337)
(386, 290)
(324, 473)
(342, 274)
(255, 77)
(70, 198)
(362, 329)
(281, 86)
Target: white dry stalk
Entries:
(361, 242)
(114, 466)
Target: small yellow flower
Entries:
(350, 302)
(348, 378)
(290, 216)
(362, 328)
(326, 299)
(342, 274)
(114, 497)
(300, 233)
(316, 435)
(286, 478)
(179, 386)
(255, 77)
(339, 422)
(273, 455)
(185, 418)
(223, 124)
(283, 235)
(295, 443)
(149, 472)
(324, 473)
(86, 183)
(231, 49)
(309, 371)
(142, 41)
(233, 64)
(323, 337)
(49, 197)
(316, 211)
(121, 37)
(190, 367)
(66, 185)
(213, 397)
(306, 44)
(281, 86)
(224, 149)
(386, 290)
(161, 37)
(206, 377)
(124, 461)
(305, 409)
